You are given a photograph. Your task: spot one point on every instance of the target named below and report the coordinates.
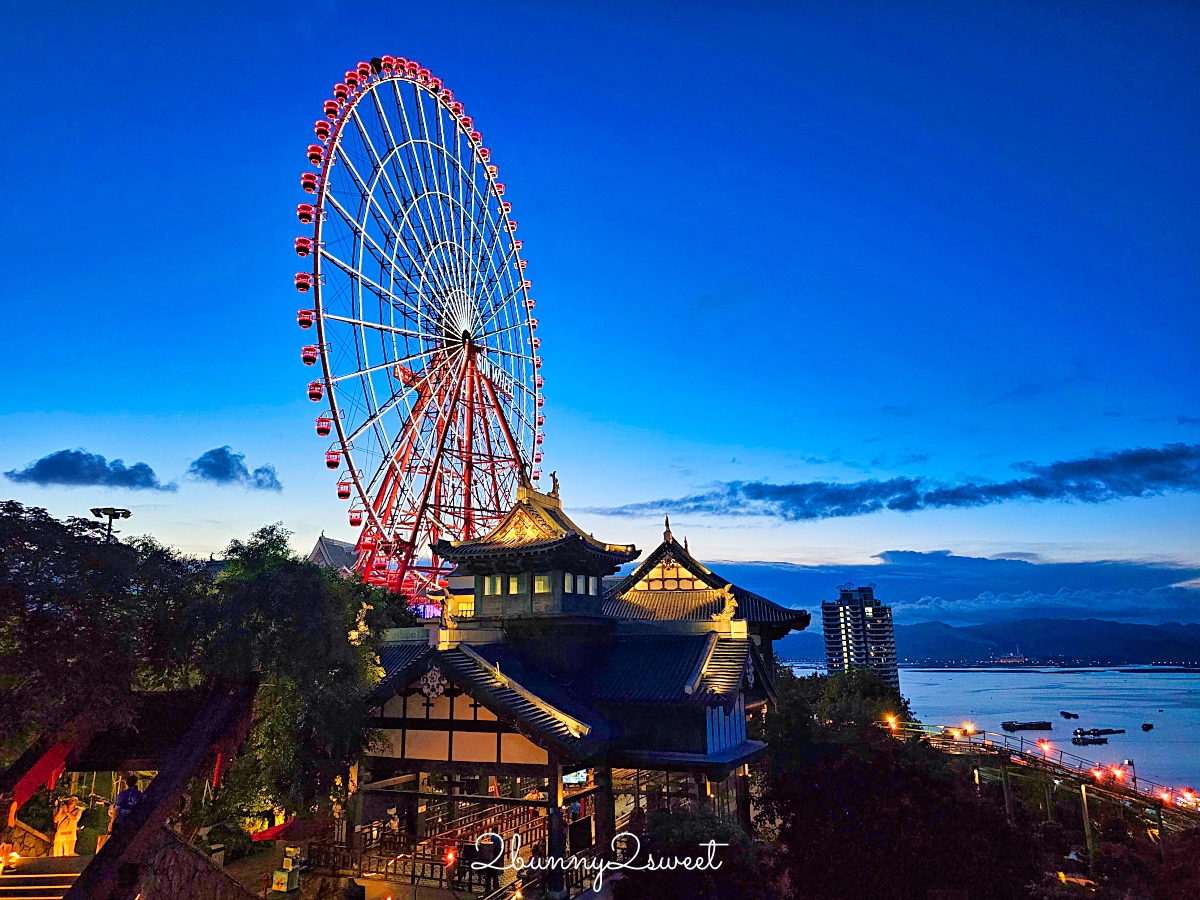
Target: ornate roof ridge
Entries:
(671, 547)
(538, 518)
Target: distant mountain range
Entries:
(1054, 641)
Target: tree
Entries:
(81, 617)
(307, 632)
(857, 813)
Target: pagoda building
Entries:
(592, 701)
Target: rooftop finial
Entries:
(667, 528)
(685, 546)
(554, 482)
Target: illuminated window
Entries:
(593, 585)
(541, 584)
(514, 584)
(487, 585)
(493, 585)
(568, 583)
(466, 607)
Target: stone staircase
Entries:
(48, 878)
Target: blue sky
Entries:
(772, 243)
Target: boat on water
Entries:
(1083, 741)
(1068, 715)
(1027, 726)
(1147, 726)
(1097, 732)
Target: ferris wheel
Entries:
(423, 316)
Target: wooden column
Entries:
(606, 812)
(743, 798)
(556, 829)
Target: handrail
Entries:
(1042, 752)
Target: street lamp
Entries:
(1129, 763)
(110, 512)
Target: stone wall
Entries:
(174, 871)
(29, 842)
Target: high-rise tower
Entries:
(859, 634)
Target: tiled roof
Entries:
(496, 673)
(332, 553)
(396, 659)
(535, 525)
(666, 605)
(622, 601)
(496, 676)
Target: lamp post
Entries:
(1132, 768)
(110, 512)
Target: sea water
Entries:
(1103, 698)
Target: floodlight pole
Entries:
(110, 512)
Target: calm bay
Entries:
(1103, 698)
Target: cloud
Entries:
(968, 590)
(1187, 420)
(1139, 472)
(222, 466)
(1032, 390)
(900, 410)
(78, 468)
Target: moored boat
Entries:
(1027, 726)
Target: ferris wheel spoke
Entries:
(381, 256)
(384, 365)
(415, 142)
(384, 220)
(433, 159)
(357, 275)
(397, 396)
(395, 159)
(503, 304)
(379, 326)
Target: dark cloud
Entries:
(1187, 420)
(1140, 472)
(78, 468)
(967, 590)
(222, 466)
(1032, 390)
